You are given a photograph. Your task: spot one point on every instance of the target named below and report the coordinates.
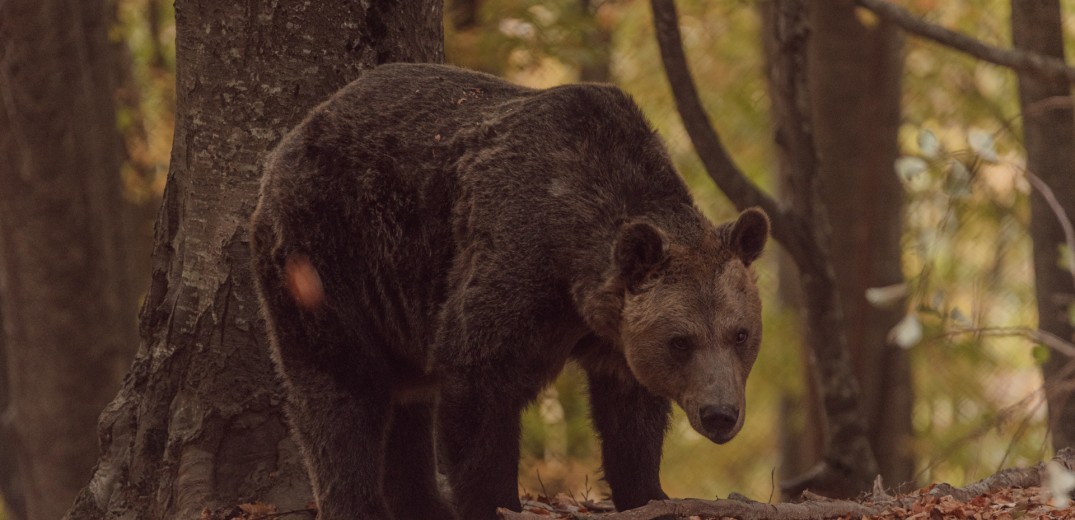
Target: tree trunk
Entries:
(67, 308)
(847, 463)
(198, 422)
(464, 14)
(12, 499)
(856, 120)
(1049, 136)
(596, 65)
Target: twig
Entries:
(1036, 335)
(1017, 59)
(772, 485)
(1061, 216)
(543, 492)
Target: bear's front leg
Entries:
(631, 422)
(478, 432)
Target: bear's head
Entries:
(690, 321)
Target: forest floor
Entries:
(1039, 492)
(1042, 491)
(1005, 503)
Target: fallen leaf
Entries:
(303, 282)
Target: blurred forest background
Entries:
(966, 251)
(948, 352)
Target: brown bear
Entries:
(432, 245)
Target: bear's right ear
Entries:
(748, 234)
(641, 249)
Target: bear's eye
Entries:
(741, 337)
(680, 345)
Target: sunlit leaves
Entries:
(886, 296)
(928, 143)
(981, 142)
(958, 181)
(909, 168)
(907, 333)
(1040, 353)
(1059, 481)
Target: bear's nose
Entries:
(718, 420)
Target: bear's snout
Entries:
(719, 422)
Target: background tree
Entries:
(13, 500)
(802, 228)
(856, 122)
(67, 301)
(1049, 138)
(198, 421)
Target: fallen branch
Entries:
(1016, 59)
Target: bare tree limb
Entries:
(1012, 58)
(742, 192)
(1061, 216)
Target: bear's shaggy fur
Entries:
(432, 245)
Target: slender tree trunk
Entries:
(1049, 136)
(198, 422)
(856, 120)
(464, 14)
(596, 65)
(68, 314)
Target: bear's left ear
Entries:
(748, 234)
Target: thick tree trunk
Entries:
(198, 422)
(1049, 136)
(856, 120)
(67, 308)
(847, 463)
(12, 499)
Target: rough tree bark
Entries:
(856, 121)
(1049, 137)
(12, 499)
(848, 465)
(68, 312)
(198, 422)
